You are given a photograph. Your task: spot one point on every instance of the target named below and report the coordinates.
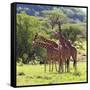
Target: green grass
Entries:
(35, 75)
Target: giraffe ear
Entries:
(36, 34)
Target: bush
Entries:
(19, 61)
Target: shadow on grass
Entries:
(43, 77)
(21, 74)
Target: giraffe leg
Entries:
(75, 64)
(68, 65)
(65, 65)
(62, 66)
(74, 56)
(52, 66)
(49, 66)
(56, 66)
(59, 67)
(45, 66)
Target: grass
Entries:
(35, 75)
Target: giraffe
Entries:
(60, 48)
(71, 51)
(43, 39)
(52, 53)
(52, 43)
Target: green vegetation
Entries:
(44, 21)
(35, 75)
(28, 26)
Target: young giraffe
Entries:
(52, 43)
(60, 48)
(52, 53)
(49, 42)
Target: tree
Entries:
(26, 28)
(73, 32)
(56, 17)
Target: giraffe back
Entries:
(43, 39)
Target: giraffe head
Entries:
(35, 40)
(56, 34)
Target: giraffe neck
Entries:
(64, 42)
(43, 45)
(49, 41)
(62, 39)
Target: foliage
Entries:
(74, 14)
(55, 17)
(26, 27)
(74, 32)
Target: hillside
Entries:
(74, 14)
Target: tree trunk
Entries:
(59, 26)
